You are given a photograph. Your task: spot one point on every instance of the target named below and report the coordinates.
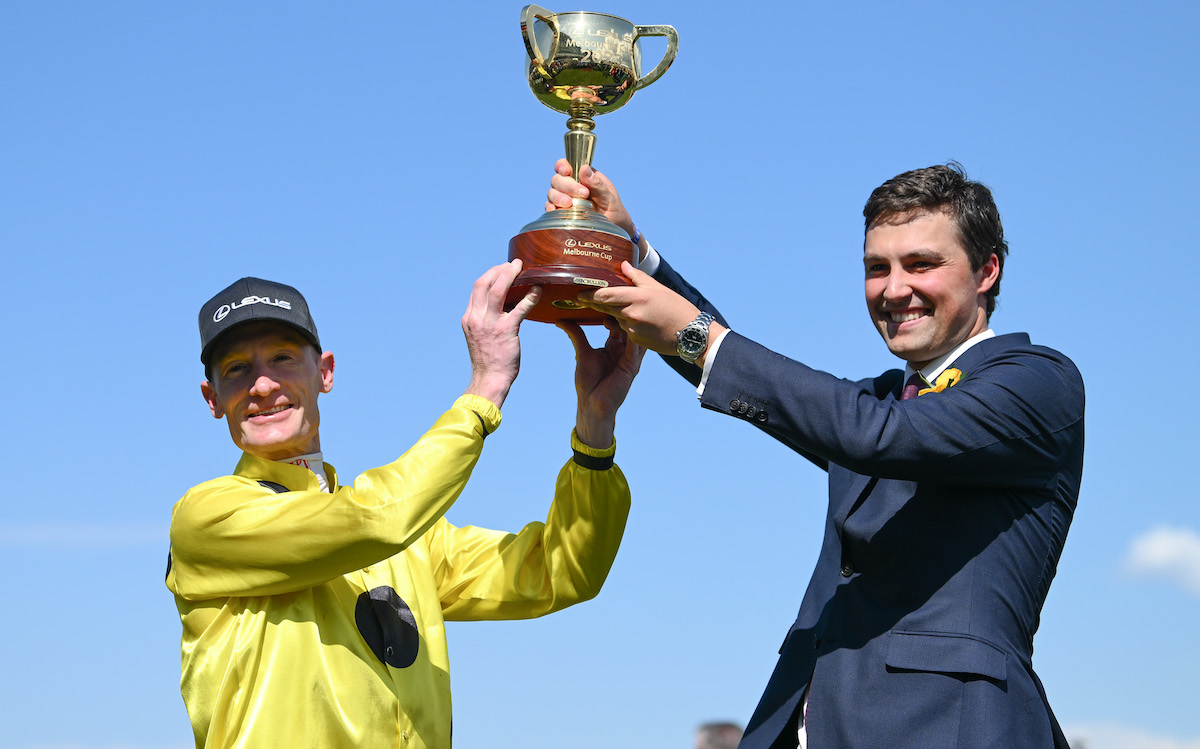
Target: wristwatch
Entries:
(693, 339)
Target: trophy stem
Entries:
(579, 139)
(575, 248)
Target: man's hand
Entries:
(593, 186)
(491, 332)
(648, 311)
(602, 380)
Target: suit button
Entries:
(761, 417)
(751, 412)
(847, 569)
(743, 407)
(733, 404)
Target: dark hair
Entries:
(945, 187)
(716, 735)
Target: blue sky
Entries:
(380, 155)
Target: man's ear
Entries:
(210, 396)
(989, 273)
(326, 364)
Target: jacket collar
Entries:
(930, 372)
(965, 357)
(969, 360)
(295, 478)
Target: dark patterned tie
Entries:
(914, 385)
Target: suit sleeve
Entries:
(232, 537)
(1012, 421)
(486, 574)
(667, 276)
(670, 278)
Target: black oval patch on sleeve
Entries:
(388, 626)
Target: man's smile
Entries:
(907, 315)
(269, 412)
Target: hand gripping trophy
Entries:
(582, 64)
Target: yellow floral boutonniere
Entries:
(946, 379)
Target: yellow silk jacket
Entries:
(315, 619)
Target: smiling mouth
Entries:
(907, 315)
(270, 411)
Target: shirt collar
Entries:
(314, 462)
(932, 370)
(294, 477)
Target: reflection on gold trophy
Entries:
(581, 64)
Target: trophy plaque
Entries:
(581, 64)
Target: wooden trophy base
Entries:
(565, 261)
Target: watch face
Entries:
(692, 341)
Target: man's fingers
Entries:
(489, 293)
(522, 308)
(511, 269)
(612, 297)
(568, 188)
(638, 277)
(481, 290)
(620, 345)
(592, 178)
(618, 341)
(578, 337)
(588, 299)
(503, 273)
(634, 354)
(556, 199)
(506, 273)
(601, 187)
(562, 187)
(600, 190)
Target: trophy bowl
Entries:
(581, 64)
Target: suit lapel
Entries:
(858, 487)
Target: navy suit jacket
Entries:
(947, 516)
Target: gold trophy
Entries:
(582, 64)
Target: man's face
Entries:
(265, 382)
(921, 292)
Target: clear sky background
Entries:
(379, 155)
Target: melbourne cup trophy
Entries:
(583, 65)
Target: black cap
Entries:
(250, 299)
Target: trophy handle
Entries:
(668, 58)
(529, 14)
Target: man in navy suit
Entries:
(952, 483)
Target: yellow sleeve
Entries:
(485, 574)
(233, 537)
